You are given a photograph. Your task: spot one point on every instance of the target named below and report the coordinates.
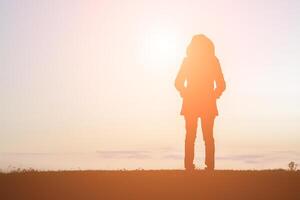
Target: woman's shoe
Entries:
(190, 167)
(209, 169)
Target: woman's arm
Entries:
(220, 82)
(180, 78)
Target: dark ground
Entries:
(144, 185)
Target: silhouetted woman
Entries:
(200, 82)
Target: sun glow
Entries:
(160, 47)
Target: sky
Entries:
(90, 84)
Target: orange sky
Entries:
(95, 78)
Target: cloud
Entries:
(242, 157)
(272, 156)
(173, 156)
(167, 154)
(133, 154)
(286, 152)
(26, 154)
(158, 153)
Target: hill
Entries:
(156, 184)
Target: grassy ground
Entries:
(144, 185)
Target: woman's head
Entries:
(200, 46)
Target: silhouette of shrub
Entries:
(292, 166)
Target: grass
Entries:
(150, 184)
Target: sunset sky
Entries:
(90, 84)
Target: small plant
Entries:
(292, 166)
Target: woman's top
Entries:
(200, 82)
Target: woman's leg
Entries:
(191, 123)
(207, 124)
